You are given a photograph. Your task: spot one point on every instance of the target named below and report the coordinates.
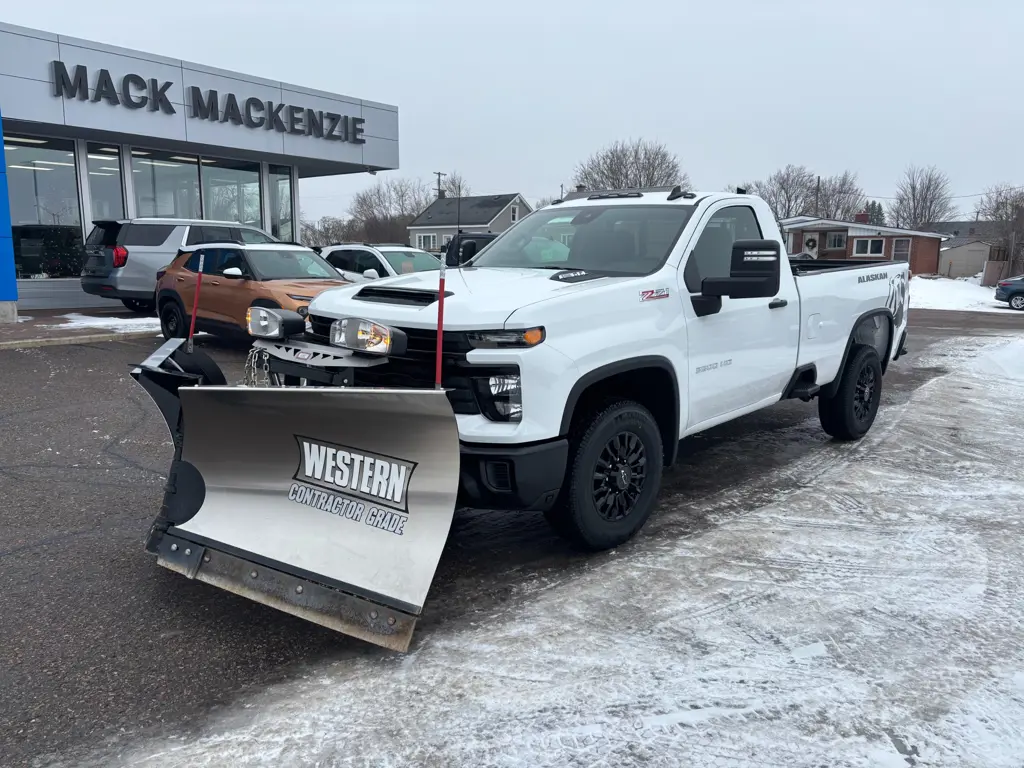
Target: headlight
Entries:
(361, 336)
(299, 298)
(527, 337)
(506, 397)
(264, 323)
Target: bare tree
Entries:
(329, 230)
(789, 191)
(1004, 205)
(386, 209)
(631, 164)
(839, 197)
(922, 195)
(454, 185)
(544, 201)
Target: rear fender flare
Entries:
(860, 326)
(624, 366)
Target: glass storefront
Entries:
(231, 191)
(281, 202)
(106, 190)
(46, 216)
(166, 185)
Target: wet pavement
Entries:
(99, 646)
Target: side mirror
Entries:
(468, 251)
(370, 274)
(233, 273)
(755, 272)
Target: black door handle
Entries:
(777, 303)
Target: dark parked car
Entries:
(1011, 291)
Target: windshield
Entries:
(411, 261)
(290, 265)
(629, 240)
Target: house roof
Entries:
(969, 228)
(467, 211)
(956, 242)
(802, 222)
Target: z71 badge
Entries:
(654, 294)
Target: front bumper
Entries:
(512, 477)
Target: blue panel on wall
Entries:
(8, 283)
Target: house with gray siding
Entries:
(446, 216)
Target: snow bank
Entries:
(1004, 362)
(76, 321)
(965, 295)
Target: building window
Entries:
(445, 239)
(901, 249)
(836, 241)
(868, 246)
(166, 185)
(281, 202)
(46, 215)
(231, 191)
(106, 191)
(515, 213)
(426, 242)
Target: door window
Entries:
(205, 233)
(352, 260)
(712, 256)
(216, 260)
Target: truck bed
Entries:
(802, 267)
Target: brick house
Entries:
(831, 239)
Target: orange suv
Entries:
(237, 276)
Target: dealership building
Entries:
(94, 132)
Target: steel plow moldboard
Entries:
(356, 486)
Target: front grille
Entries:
(415, 368)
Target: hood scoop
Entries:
(576, 276)
(410, 297)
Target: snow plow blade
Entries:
(331, 504)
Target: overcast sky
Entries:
(514, 94)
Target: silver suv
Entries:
(122, 257)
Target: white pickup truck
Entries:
(586, 341)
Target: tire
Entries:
(602, 514)
(1017, 302)
(850, 412)
(172, 320)
(142, 306)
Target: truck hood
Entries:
(475, 297)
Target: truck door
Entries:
(744, 354)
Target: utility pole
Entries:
(817, 198)
(439, 177)
(561, 191)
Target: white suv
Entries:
(358, 262)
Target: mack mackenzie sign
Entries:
(135, 92)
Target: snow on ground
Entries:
(866, 613)
(75, 320)
(965, 294)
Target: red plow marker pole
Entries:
(195, 302)
(440, 327)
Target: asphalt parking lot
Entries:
(98, 645)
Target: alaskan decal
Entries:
(355, 485)
(575, 276)
(654, 294)
(899, 293)
(872, 277)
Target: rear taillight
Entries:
(1004, 285)
(120, 256)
